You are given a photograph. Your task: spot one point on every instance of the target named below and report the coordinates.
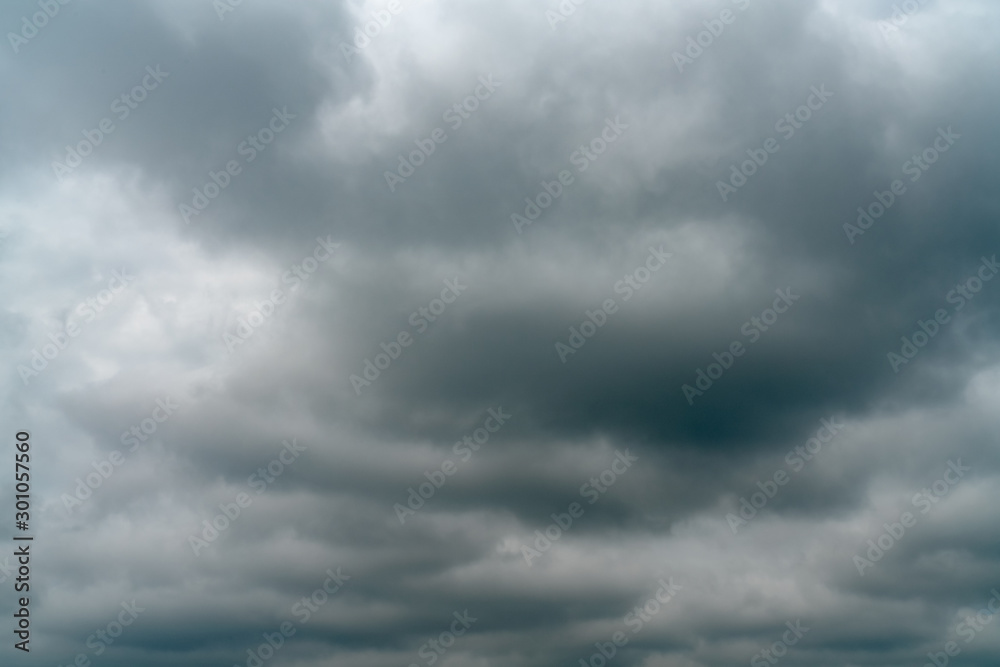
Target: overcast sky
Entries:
(503, 334)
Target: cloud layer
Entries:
(466, 333)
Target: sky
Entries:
(501, 334)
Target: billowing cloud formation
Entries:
(466, 333)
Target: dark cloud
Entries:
(385, 379)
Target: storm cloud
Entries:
(525, 334)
